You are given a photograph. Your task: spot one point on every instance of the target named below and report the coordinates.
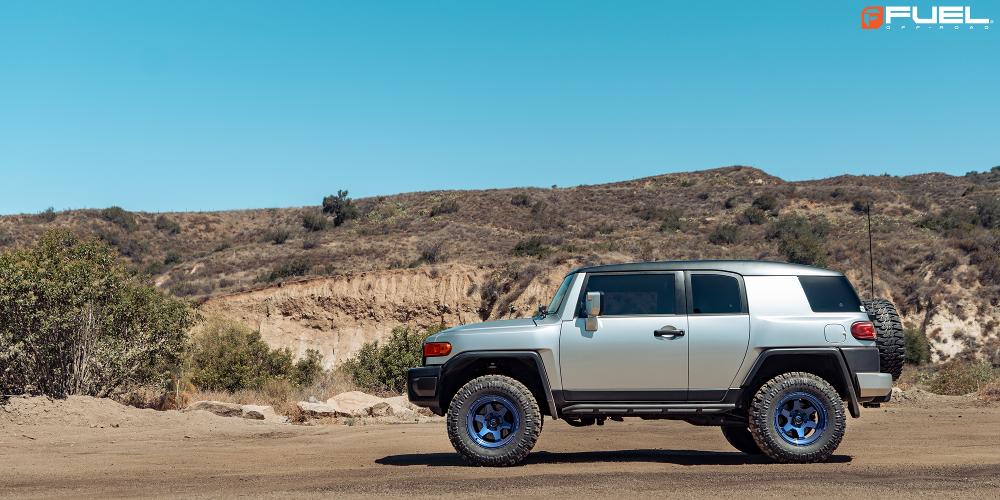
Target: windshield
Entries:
(560, 294)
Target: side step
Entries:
(644, 409)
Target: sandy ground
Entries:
(93, 448)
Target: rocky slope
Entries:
(458, 256)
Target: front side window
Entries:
(715, 294)
(631, 294)
(557, 300)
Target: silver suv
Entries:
(770, 352)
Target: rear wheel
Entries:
(741, 439)
(797, 417)
(494, 420)
(889, 335)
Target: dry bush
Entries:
(960, 377)
(990, 392)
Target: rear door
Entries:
(625, 359)
(719, 324)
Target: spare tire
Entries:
(889, 338)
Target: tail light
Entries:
(432, 349)
(863, 330)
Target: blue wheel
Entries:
(800, 418)
(797, 417)
(492, 421)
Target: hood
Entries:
(505, 324)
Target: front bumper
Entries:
(422, 387)
(874, 385)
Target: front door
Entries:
(632, 356)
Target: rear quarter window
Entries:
(830, 294)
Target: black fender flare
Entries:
(833, 353)
(464, 359)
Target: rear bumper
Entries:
(869, 383)
(873, 385)
(422, 385)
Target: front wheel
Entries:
(494, 420)
(797, 417)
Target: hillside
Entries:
(459, 256)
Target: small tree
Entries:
(340, 207)
(75, 320)
(226, 355)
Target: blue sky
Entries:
(214, 105)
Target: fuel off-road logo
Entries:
(929, 18)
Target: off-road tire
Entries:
(525, 437)
(762, 417)
(889, 336)
(741, 439)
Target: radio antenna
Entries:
(871, 255)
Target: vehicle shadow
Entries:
(677, 457)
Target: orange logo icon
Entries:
(872, 17)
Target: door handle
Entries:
(668, 331)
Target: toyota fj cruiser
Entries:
(770, 352)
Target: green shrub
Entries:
(127, 245)
(431, 252)
(6, 238)
(308, 369)
(340, 207)
(47, 215)
(294, 267)
(962, 377)
(670, 221)
(752, 215)
(729, 203)
(381, 367)
(121, 217)
(278, 236)
(228, 356)
(313, 221)
(167, 225)
(520, 200)
(74, 320)
(988, 212)
(724, 234)
(535, 246)
(801, 240)
(172, 258)
(950, 219)
(916, 347)
(767, 203)
(445, 207)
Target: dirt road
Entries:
(892, 452)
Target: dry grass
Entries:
(282, 395)
(990, 392)
(279, 394)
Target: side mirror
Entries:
(593, 309)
